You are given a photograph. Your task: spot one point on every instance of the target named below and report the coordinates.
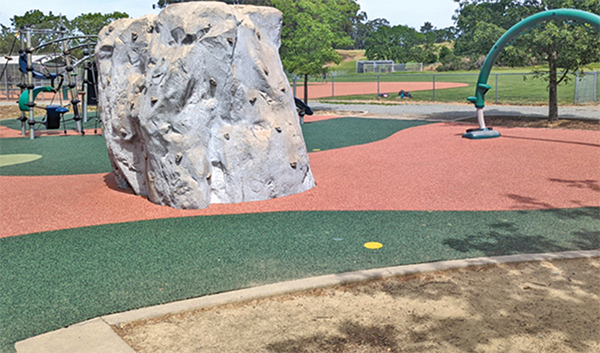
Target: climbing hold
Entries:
(230, 40)
(294, 165)
(373, 245)
(178, 158)
(278, 129)
(226, 136)
(208, 176)
(153, 99)
(266, 70)
(253, 100)
(213, 81)
(134, 36)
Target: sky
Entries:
(413, 13)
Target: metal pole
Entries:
(6, 86)
(378, 78)
(595, 86)
(294, 78)
(434, 87)
(576, 79)
(72, 88)
(30, 103)
(496, 88)
(23, 86)
(85, 93)
(332, 87)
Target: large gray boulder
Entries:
(196, 107)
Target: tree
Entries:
(399, 43)
(163, 3)
(38, 20)
(92, 23)
(311, 30)
(562, 46)
(365, 28)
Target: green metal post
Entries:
(482, 87)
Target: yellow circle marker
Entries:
(373, 245)
(316, 149)
(12, 159)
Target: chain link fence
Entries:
(507, 88)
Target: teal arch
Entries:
(560, 14)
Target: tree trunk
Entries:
(552, 89)
(306, 89)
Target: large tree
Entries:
(162, 3)
(311, 30)
(563, 47)
(364, 28)
(92, 23)
(39, 20)
(399, 43)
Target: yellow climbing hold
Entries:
(373, 245)
(12, 159)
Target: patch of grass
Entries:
(512, 88)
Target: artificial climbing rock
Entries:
(196, 107)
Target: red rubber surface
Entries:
(428, 167)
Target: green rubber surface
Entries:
(55, 279)
(68, 155)
(343, 132)
(61, 155)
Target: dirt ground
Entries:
(520, 121)
(9, 112)
(526, 307)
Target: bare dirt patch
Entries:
(10, 111)
(526, 307)
(536, 122)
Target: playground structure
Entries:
(69, 53)
(482, 87)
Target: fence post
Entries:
(332, 87)
(378, 86)
(434, 87)
(496, 88)
(6, 83)
(576, 79)
(294, 81)
(595, 86)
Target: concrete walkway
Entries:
(451, 112)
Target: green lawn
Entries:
(513, 87)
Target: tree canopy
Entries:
(560, 45)
(399, 43)
(311, 30)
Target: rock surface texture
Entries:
(196, 106)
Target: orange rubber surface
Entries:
(324, 90)
(428, 167)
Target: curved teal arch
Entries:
(560, 14)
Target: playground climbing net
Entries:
(62, 62)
